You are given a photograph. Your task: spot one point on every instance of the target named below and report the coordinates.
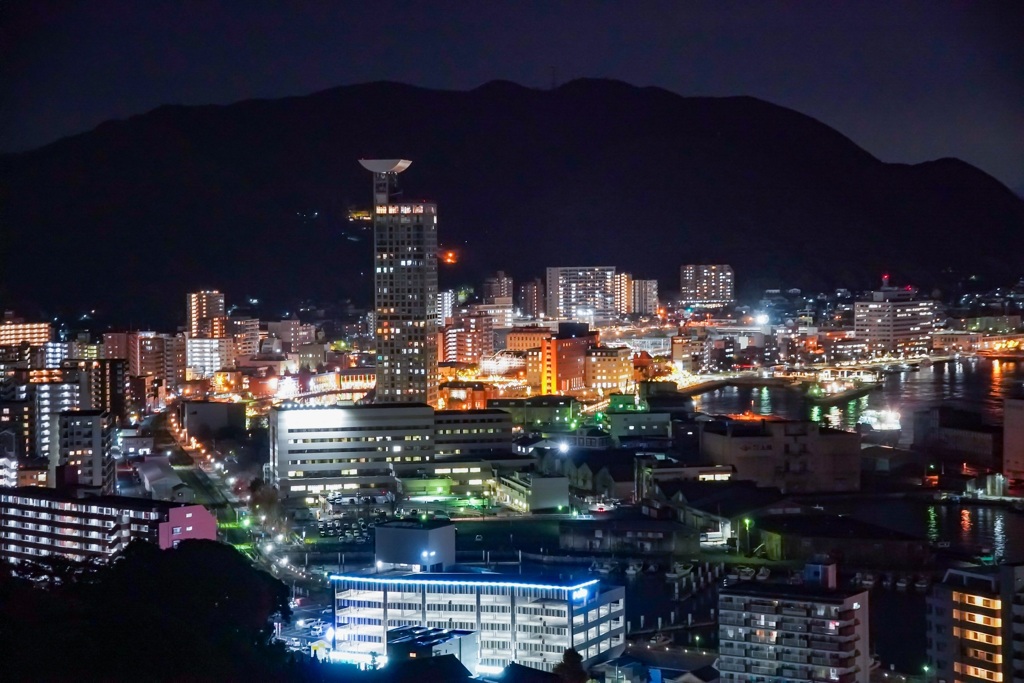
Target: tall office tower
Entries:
(645, 297)
(203, 307)
(974, 624)
(446, 301)
(405, 289)
(531, 298)
(86, 448)
(706, 286)
(583, 293)
(623, 293)
(894, 321)
(498, 285)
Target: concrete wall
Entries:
(405, 543)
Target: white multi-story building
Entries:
(583, 293)
(777, 632)
(645, 297)
(498, 309)
(706, 286)
(352, 450)
(894, 322)
(206, 356)
(50, 399)
(38, 525)
(405, 290)
(522, 619)
(445, 306)
(203, 307)
(362, 451)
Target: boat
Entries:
(868, 581)
(922, 584)
(732, 577)
(886, 581)
(879, 426)
(762, 574)
(606, 568)
(659, 639)
(902, 583)
(837, 391)
(593, 566)
(858, 577)
(747, 573)
(634, 568)
(679, 571)
(652, 568)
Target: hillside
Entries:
(252, 197)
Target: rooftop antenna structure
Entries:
(385, 177)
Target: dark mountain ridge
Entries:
(134, 213)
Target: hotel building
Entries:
(894, 322)
(706, 286)
(405, 290)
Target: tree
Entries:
(570, 669)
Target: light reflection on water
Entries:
(975, 384)
(933, 524)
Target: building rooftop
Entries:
(123, 502)
(726, 499)
(787, 591)
(469, 578)
(415, 524)
(829, 526)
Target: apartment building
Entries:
(776, 633)
(38, 524)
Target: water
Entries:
(898, 619)
(970, 383)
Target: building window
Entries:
(176, 530)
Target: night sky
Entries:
(908, 81)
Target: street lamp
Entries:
(746, 523)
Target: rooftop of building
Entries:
(829, 526)
(476, 411)
(415, 524)
(124, 502)
(629, 522)
(787, 591)
(460, 576)
(534, 401)
(357, 407)
(728, 499)
(762, 425)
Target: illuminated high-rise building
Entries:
(645, 297)
(894, 321)
(203, 307)
(531, 298)
(975, 626)
(498, 285)
(582, 293)
(706, 286)
(405, 289)
(623, 293)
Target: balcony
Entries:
(794, 658)
(764, 670)
(732, 666)
(731, 621)
(764, 609)
(794, 611)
